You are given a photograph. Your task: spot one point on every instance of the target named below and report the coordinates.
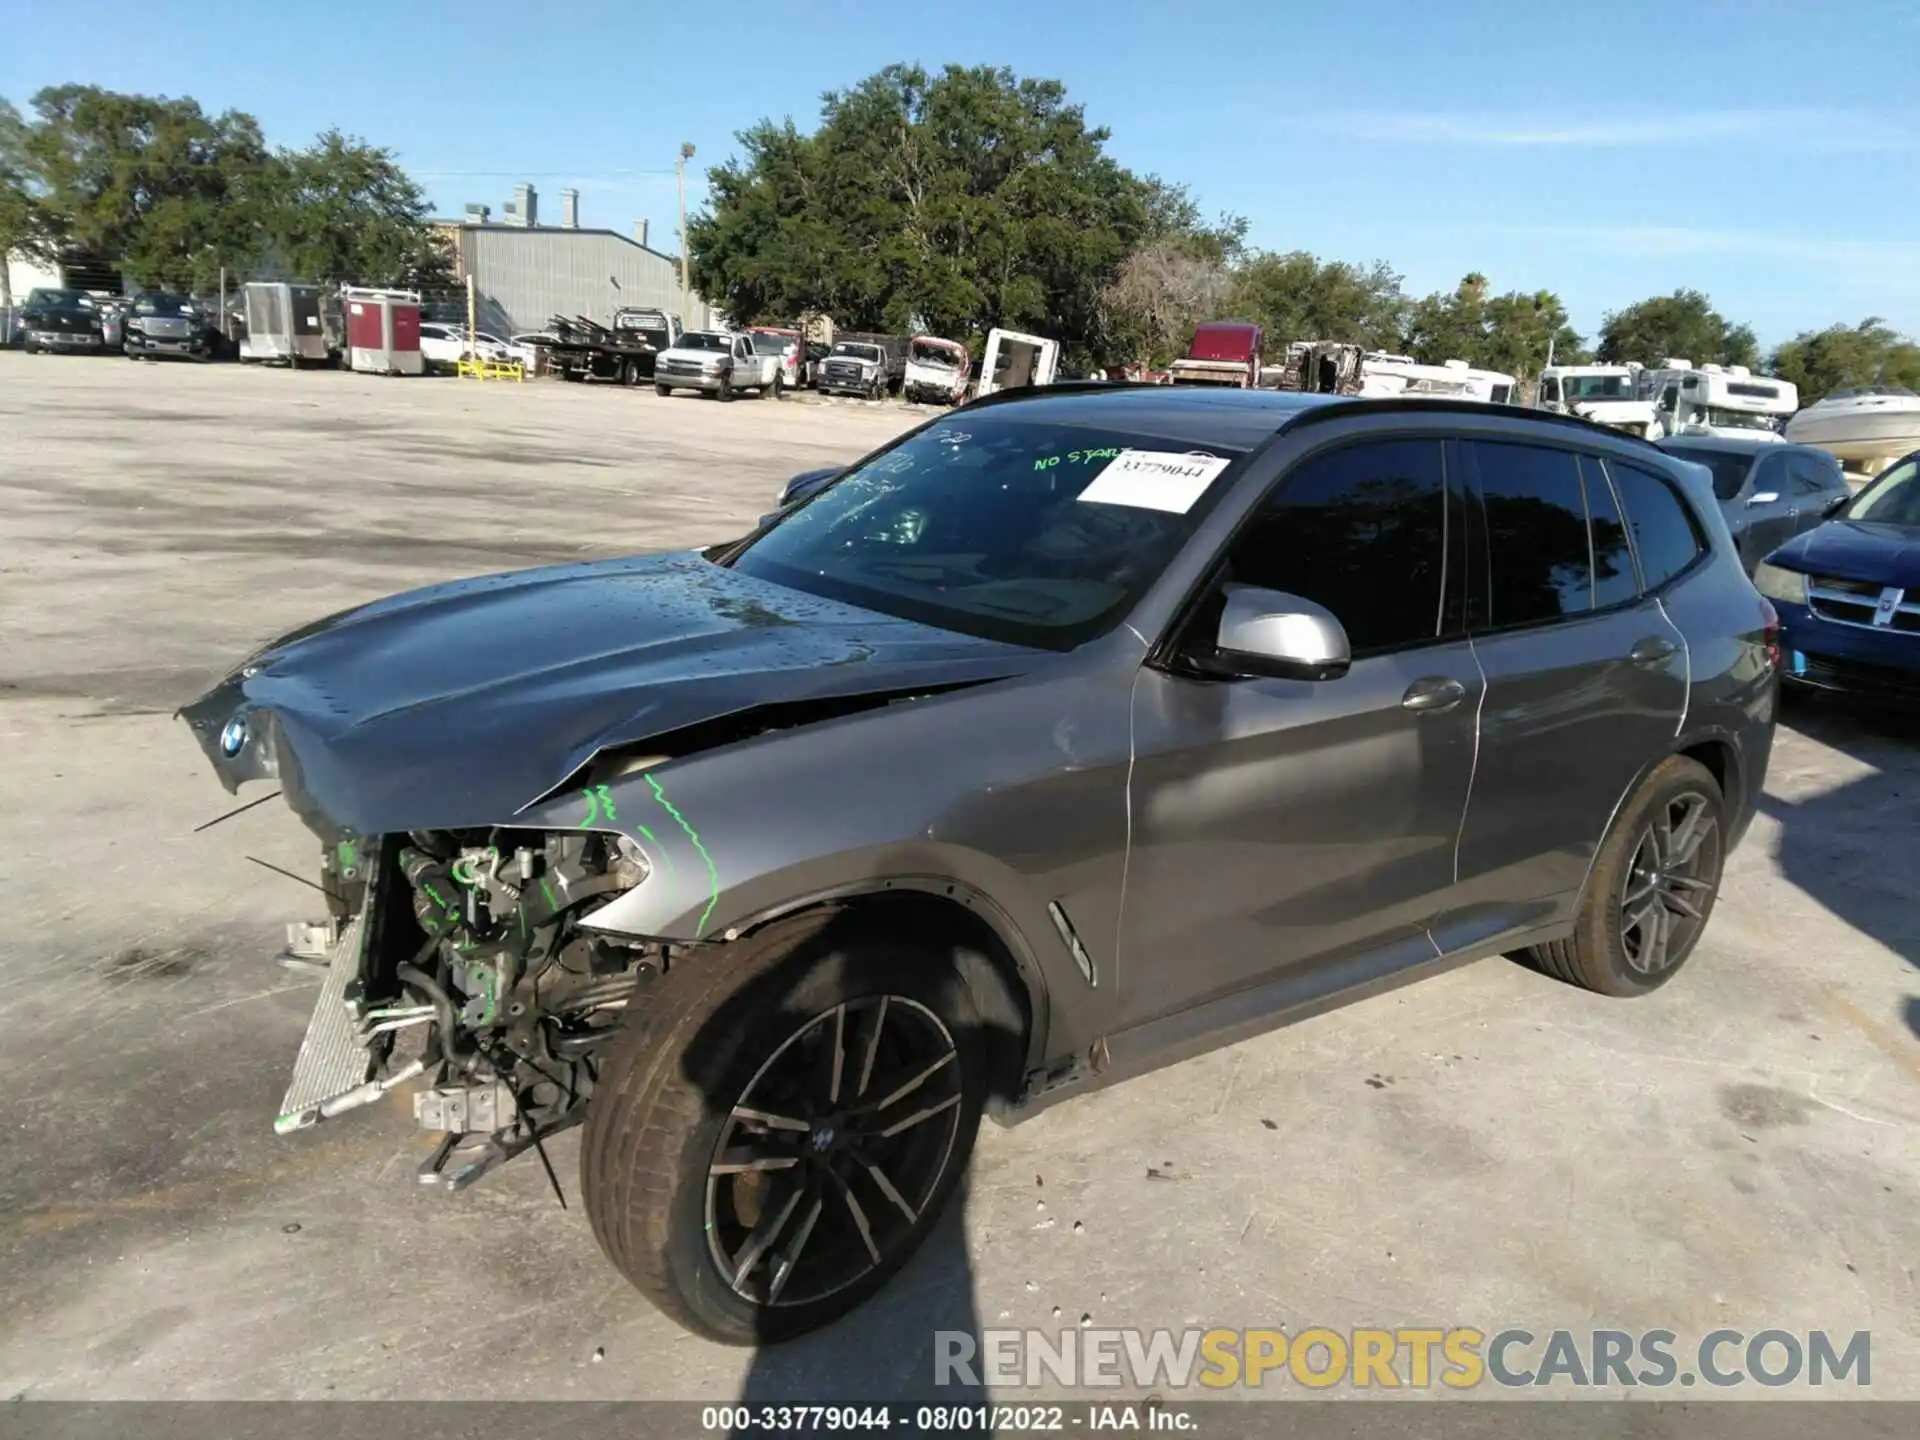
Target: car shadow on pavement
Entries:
(1851, 848)
(884, 1352)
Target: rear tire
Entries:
(1652, 888)
(772, 392)
(748, 1232)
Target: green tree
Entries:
(1683, 325)
(344, 211)
(1180, 274)
(166, 190)
(26, 227)
(1297, 296)
(955, 201)
(1821, 361)
(1512, 333)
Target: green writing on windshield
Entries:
(1078, 457)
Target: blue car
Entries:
(1848, 593)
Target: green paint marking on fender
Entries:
(347, 853)
(654, 840)
(713, 874)
(599, 804)
(547, 890)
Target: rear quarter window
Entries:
(1666, 536)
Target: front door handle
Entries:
(1433, 692)
(1652, 650)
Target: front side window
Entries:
(1362, 531)
(1540, 563)
(1665, 535)
(1812, 474)
(1037, 531)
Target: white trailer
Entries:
(1012, 360)
(1717, 400)
(1605, 394)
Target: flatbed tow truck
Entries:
(624, 352)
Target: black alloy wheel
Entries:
(1670, 883)
(836, 1147)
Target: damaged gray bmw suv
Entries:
(1070, 734)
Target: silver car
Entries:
(1073, 733)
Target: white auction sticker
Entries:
(1155, 479)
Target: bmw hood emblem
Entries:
(233, 739)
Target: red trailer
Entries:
(383, 331)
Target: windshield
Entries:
(1034, 532)
(163, 305)
(1598, 387)
(924, 354)
(858, 352)
(60, 300)
(771, 344)
(1892, 500)
(703, 340)
(1729, 467)
(1723, 419)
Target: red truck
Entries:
(1223, 352)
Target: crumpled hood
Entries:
(1856, 550)
(462, 704)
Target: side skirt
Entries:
(1169, 1039)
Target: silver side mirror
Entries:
(1269, 632)
(1763, 497)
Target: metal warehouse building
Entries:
(524, 273)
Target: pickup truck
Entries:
(869, 366)
(719, 363)
(1223, 352)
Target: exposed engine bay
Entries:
(458, 956)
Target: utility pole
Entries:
(686, 289)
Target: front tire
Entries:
(663, 390)
(725, 392)
(775, 1134)
(1652, 888)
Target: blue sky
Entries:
(1766, 152)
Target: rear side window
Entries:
(1363, 531)
(1614, 581)
(1665, 535)
(1540, 564)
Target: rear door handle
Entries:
(1433, 692)
(1652, 650)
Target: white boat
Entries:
(1867, 428)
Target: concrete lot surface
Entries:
(1741, 1150)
